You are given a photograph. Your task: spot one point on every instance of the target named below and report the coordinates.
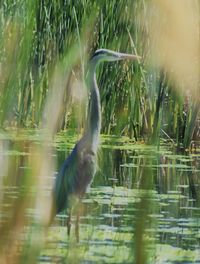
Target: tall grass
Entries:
(35, 35)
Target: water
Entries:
(132, 175)
(143, 200)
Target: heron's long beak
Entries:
(125, 56)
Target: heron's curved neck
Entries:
(94, 109)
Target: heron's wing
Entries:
(75, 174)
(64, 183)
(86, 171)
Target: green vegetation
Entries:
(144, 200)
(37, 35)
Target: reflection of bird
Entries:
(78, 169)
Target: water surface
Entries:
(153, 191)
(143, 200)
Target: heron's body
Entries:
(75, 175)
(79, 168)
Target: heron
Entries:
(79, 168)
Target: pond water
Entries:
(142, 207)
(143, 200)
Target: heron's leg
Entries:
(77, 226)
(69, 222)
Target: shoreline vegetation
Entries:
(43, 43)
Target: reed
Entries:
(33, 43)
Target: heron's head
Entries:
(110, 55)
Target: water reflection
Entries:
(142, 199)
(165, 184)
